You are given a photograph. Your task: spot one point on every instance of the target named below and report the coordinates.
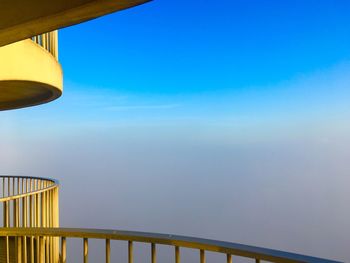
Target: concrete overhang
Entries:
(21, 19)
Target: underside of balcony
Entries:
(21, 19)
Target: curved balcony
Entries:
(30, 73)
(28, 202)
(226, 249)
(31, 232)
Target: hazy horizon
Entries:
(226, 121)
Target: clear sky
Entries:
(237, 63)
(238, 99)
(234, 63)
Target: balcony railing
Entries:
(226, 249)
(48, 41)
(29, 202)
(31, 234)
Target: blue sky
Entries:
(176, 102)
(224, 62)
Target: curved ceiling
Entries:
(21, 19)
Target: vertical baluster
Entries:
(45, 221)
(18, 217)
(43, 39)
(108, 251)
(47, 250)
(38, 244)
(19, 249)
(42, 250)
(8, 186)
(257, 260)
(24, 210)
(24, 221)
(86, 250)
(48, 36)
(51, 225)
(37, 208)
(4, 211)
(56, 43)
(229, 258)
(48, 42)
(154, 253)
(6, 224)
(7, 213)
(31, 219)
(130, 252)
(18, 212)
(14, 211)
(13, 186)
(63, 250)
(177, 254)
(52, 39)
(7, 250)
(42, 197)
(56, 210)
(202, 256)
(37, 220)
(3, 204)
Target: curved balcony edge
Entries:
(227, 248)
(16, 187)
(31, 212)
(29, 75)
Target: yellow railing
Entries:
(48, 41)
(31, 232)
(226, 249)
(29, 202)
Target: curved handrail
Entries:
(201, 244)
(35, 218)
(29, 201)
(54, 184)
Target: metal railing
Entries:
(29, 202)
(31, 233)
(48, 41)
(227, 249)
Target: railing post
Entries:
(5, 213)
(177, 254)
(63, 250)
(56, 43)
(5, 224)
(202, 256)
(108, 250)
(19, 249)
(86, 250)
(130, 252)
(154, 253)
(41, 255)
(48, 41)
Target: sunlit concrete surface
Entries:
(29, 75)
(21, 19)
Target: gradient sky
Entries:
(231, 63)
(234, 112)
